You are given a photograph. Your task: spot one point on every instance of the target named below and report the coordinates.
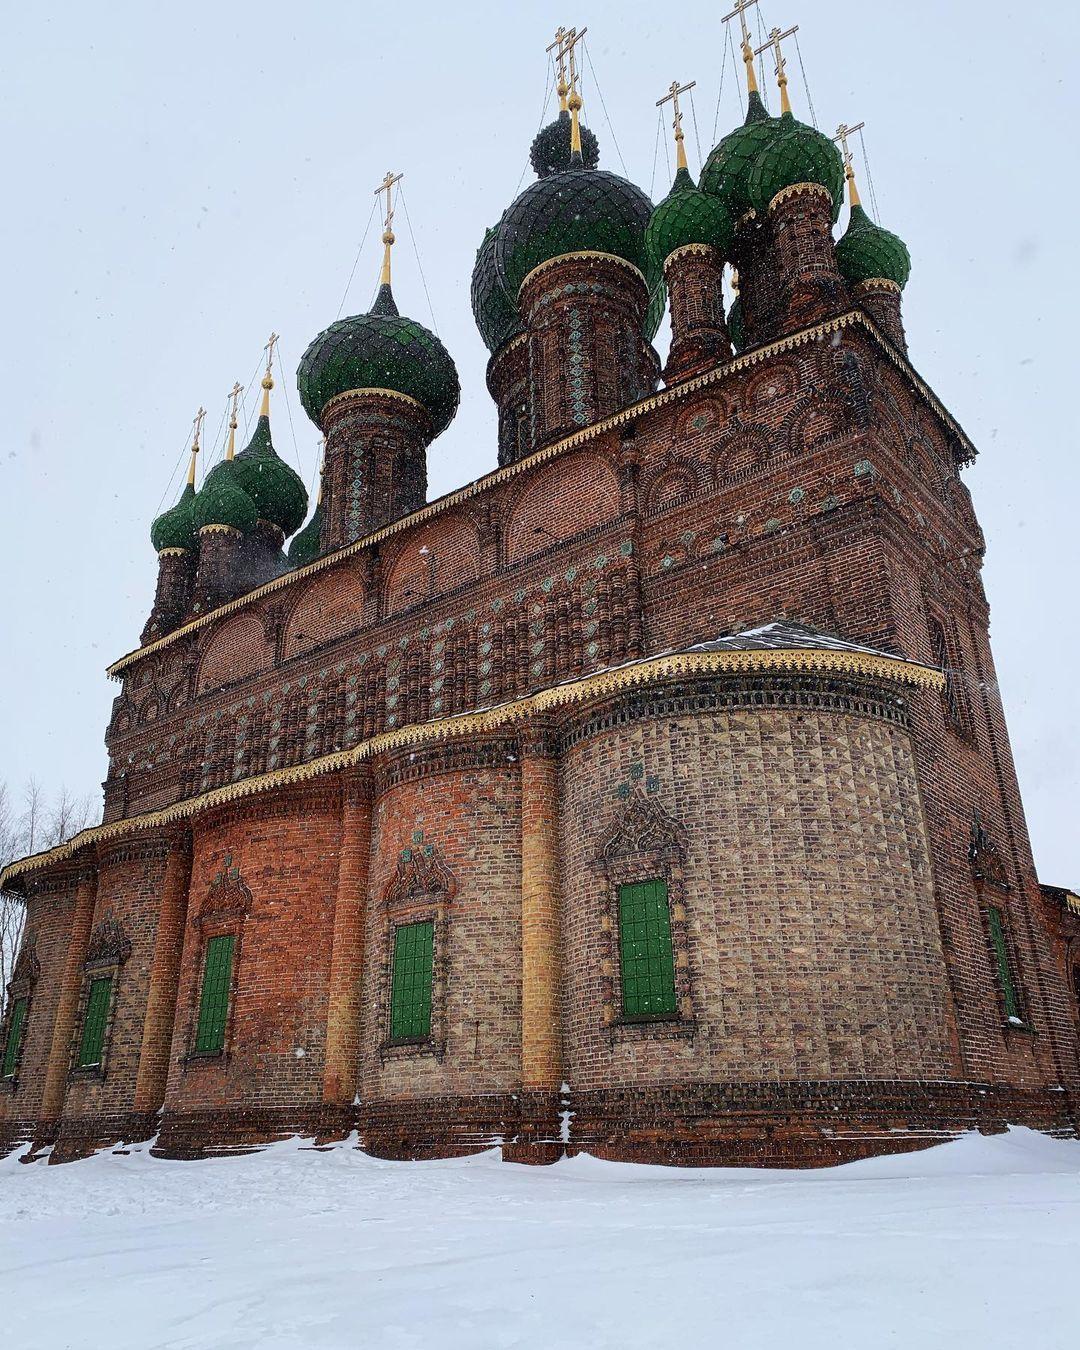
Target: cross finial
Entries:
(234, 395)
(559, 48)
(196, 435)
(566, 39)
(672, 96)
(387, 186)
(268, 379)
(842, 134)
(774, 41)
(741, 6)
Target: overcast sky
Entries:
(183, 179)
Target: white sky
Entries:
(182, 179)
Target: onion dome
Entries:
(275, 487)
(574, 211)
(735, 326)
(307, 545)
(867, 252)
(726, 173)
(175, 528)
(222, 501)
(657, 306)
(379, 350)
(795, 154)
(688, 216)
(493, 309)
(551, 150)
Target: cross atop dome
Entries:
(741, 6)
(672, 96)
(774, 40)
(387, 186)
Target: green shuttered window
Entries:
(16, 1024)
(214, 1004)
(410, 994)
(1004, 966)
(647, 960)
(97, 1016)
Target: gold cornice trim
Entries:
(872, 284)
(701, 250)
(854, 318)
(603, 684)
(171, 552)
(348, 394)
(579, 254)
(799, 190)
(219, 529)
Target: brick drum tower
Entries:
(650, 795)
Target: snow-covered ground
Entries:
(972, 1244)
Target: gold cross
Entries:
(271, 343)
(741, 6)
(566, 39)
(234, 394)
(672, 96)
(775, 39)
(842, 134)
(387, 186)
(196, 428)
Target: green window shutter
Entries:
(646, 956)
(214, 1005)
(97, 1015)
(16, 1023)
(1004, 967)
(410, 993)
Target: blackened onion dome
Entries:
(688, 216)
(866, 252)
(551, 150)
(380, 350)
(726, 173)
(577, 210)
(275, 487)
(307, 545)
(222, 501)
(796, 154)
(176, 528)
(493, 309)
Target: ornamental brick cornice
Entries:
(636, 674)
(855, 319)
(582, 255)
(794, 190)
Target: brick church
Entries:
(650, 795)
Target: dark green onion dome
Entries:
(735, 326)
(797, 154)
(550, 151)
(867, 252)
(494, 311)
(276, 489)
(657, 306)
(307, 545)
(688, 216)
(380, 350)
(175, 528)
(222, 501)
(574, 211)
(726, 173)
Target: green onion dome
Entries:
(493, 309)
(573, 211)
(307, 545)
(866, 252)
(222, 501)
(657, 306)
(797, 154)
(735, 326)
(688, 216)
(550, 152)
(276, 488)
(380, 350)
(726, 172)
(175, 528)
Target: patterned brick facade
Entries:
(490, 714)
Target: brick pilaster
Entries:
(67, 1005)
(342, 1064)
(153, 1068)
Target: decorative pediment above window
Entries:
(228, 899)
(987, 863)
(421, 873)
(642, 826)
(26, 972)
(109, 944)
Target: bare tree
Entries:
(12, 910)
